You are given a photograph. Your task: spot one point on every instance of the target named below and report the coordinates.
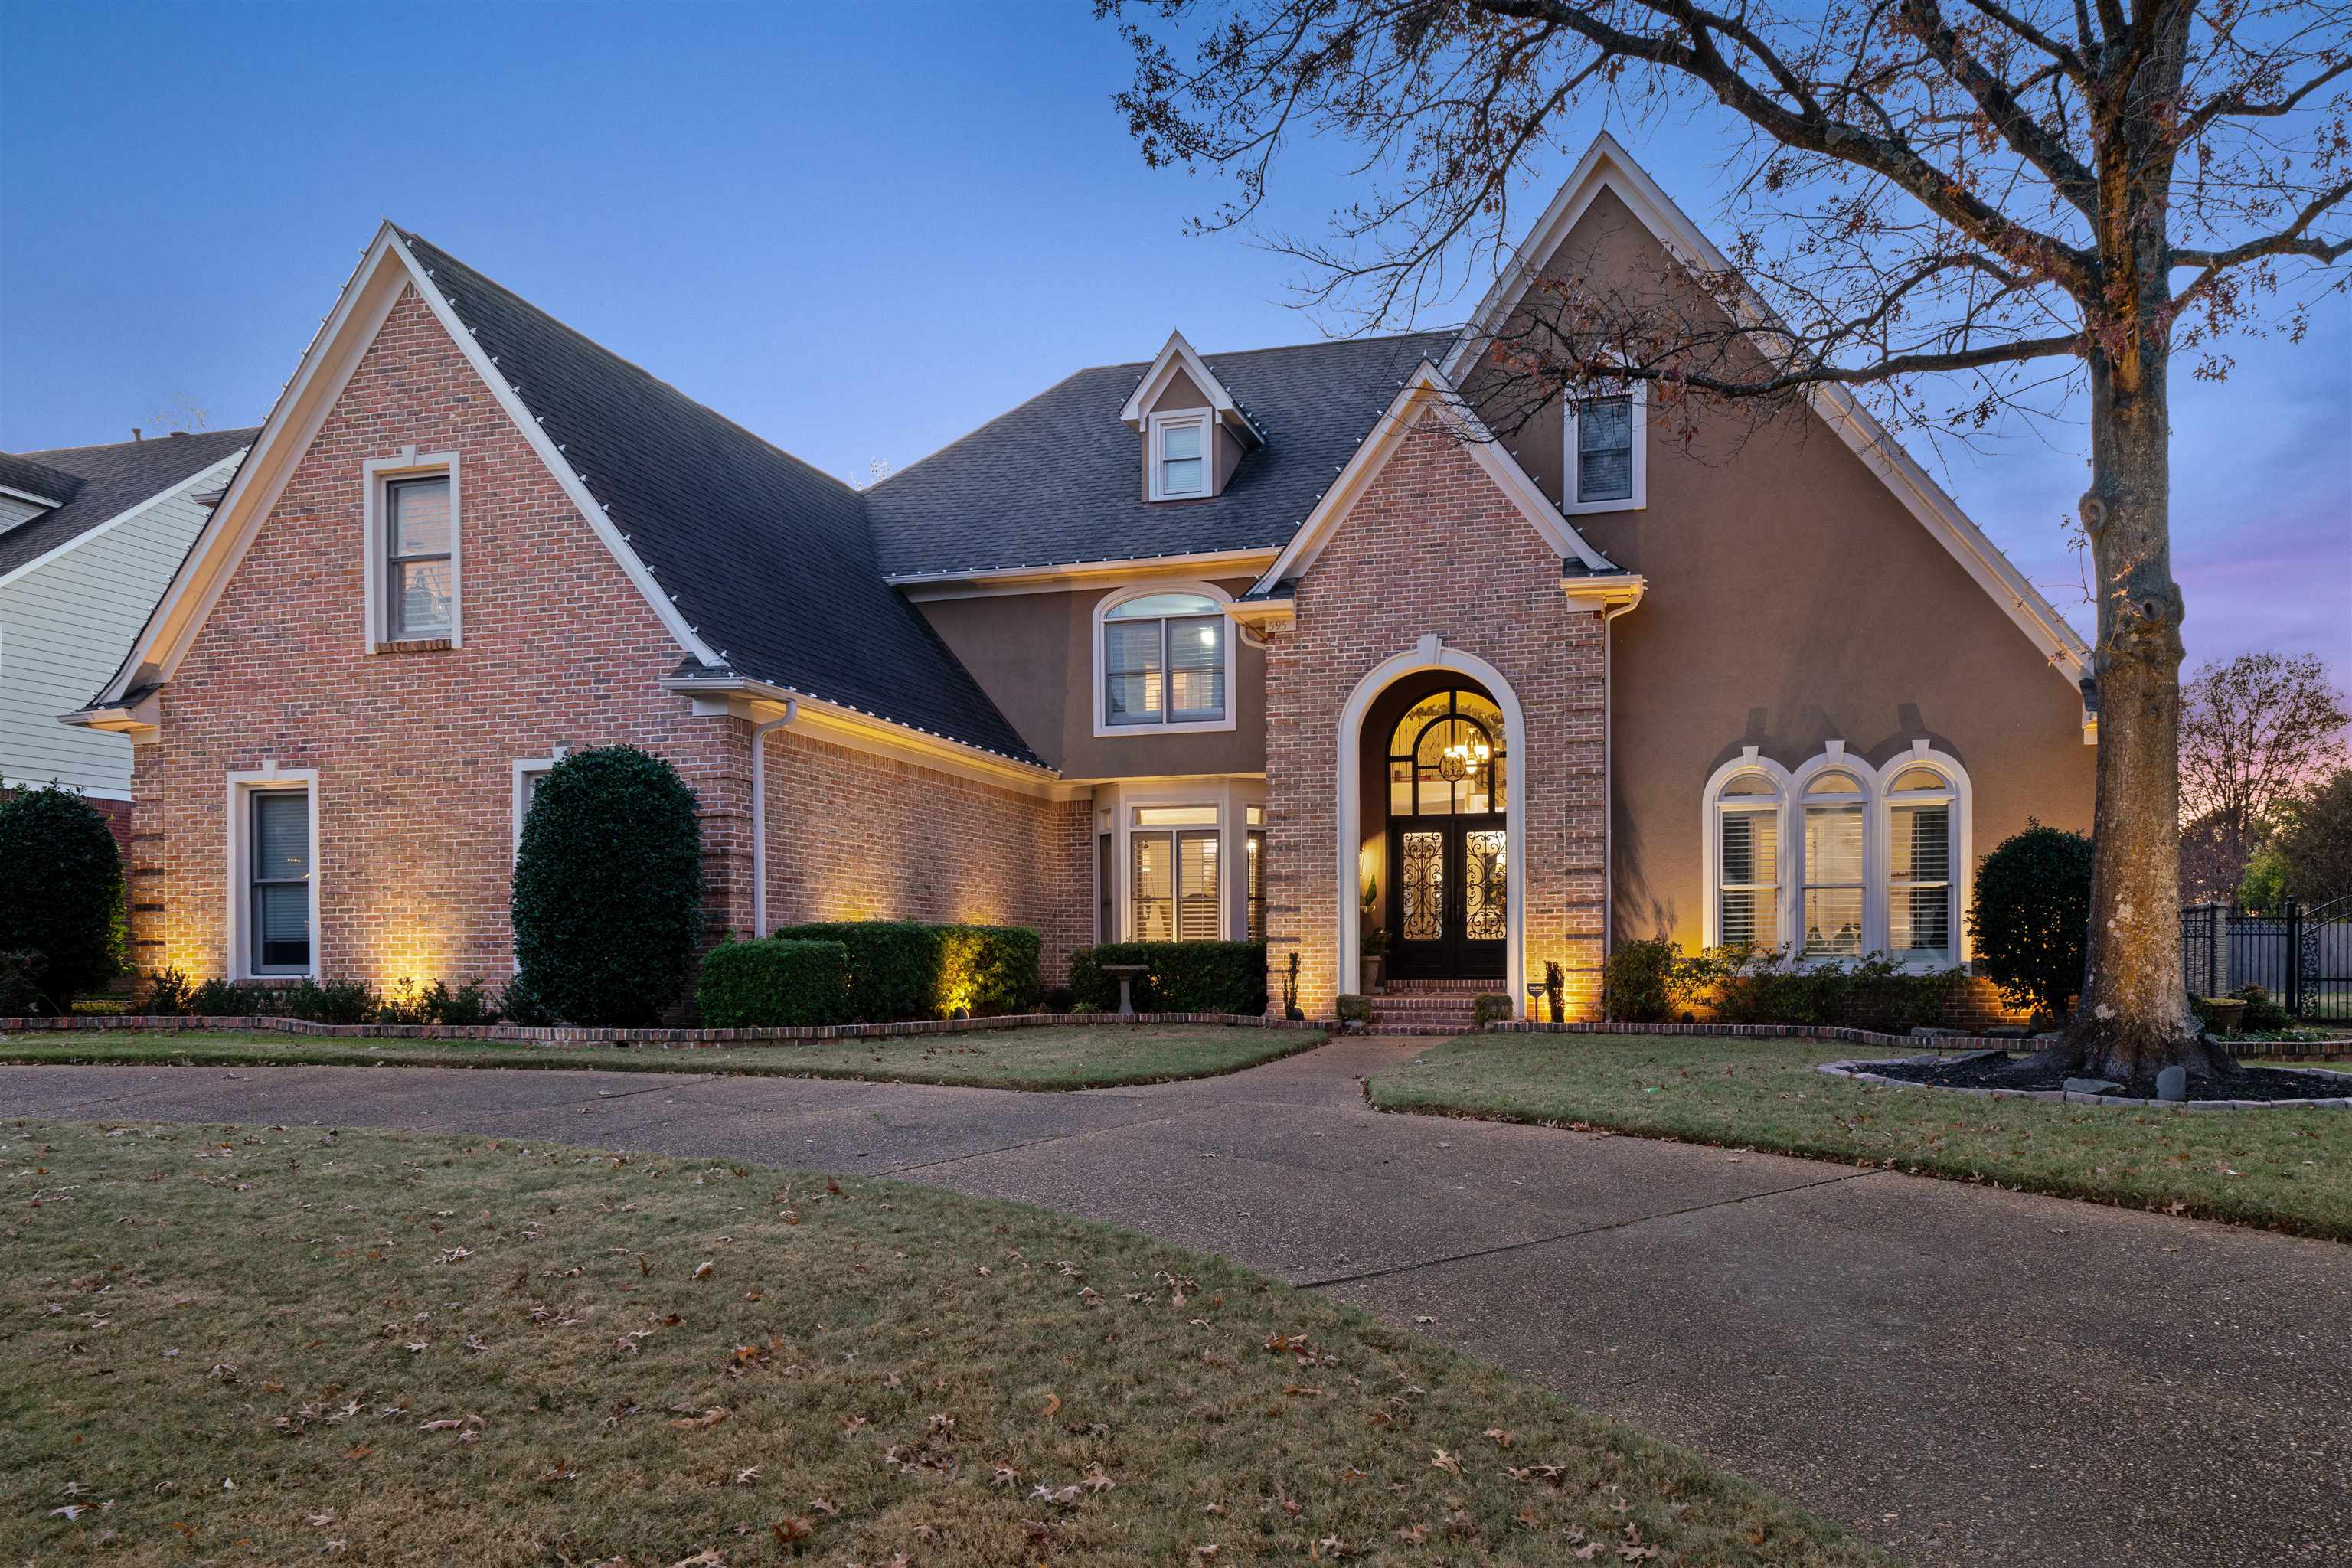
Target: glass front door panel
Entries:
(1422, 882)
(1485, 898)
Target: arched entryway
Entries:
(1442, 762)
(1431, 837)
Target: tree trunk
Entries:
(2132, 1019)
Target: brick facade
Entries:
(414, 750)
(853, 835)
(1434, 547)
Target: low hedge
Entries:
(775, 983)
(911, 969)
(1178, 977)
(1651, 982)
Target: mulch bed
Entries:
(2018, 1073)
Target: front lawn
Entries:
(268, 1345)
(1052, 1056)
(2290, 1168)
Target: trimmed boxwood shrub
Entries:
(774, 983)
(608, 887)
(65, 891)
(1180, 976)
(1490, 1007)
(913, 969)
(2030, 917)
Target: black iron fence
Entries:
(2302, 956)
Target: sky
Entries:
(859, 230)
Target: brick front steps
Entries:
(1429, 1007)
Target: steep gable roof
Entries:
(1606, 165)
(101, 483)
(1059, 479)
(767, 557)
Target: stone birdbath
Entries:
(1126, 974)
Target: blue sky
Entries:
(858, 230)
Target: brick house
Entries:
(1291, 642)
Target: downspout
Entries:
(759, 815)
(1609, 778)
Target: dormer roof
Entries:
(1176, 355)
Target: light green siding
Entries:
(65, 624)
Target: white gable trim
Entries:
(386, 267)
(1428, 393)
(212, 471)
(1177, 355)
(1606, 165)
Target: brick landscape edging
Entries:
(1847, 1035)
(1858, 1071)
(569, 1036)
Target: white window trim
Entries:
(242, 786)
(1104, 728)
(1640, 393)
(1156, 428)
(1878, 838)
(1873, 936)
(377, 475)
(1749, 760)
(1115, 807)
(523, 768)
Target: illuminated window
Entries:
(1163, 660)
(1174, 886)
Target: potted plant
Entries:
(1376, 957)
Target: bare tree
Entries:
(2022, 198)
(2254, 734)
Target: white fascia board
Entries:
(386, 268)
(1177, 355)
(1428, 391)
(988, 581)
(29, 498)
(845, 726)
(210, 471)
(1606, 165)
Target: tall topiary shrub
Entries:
(2031, 917)
(64, 898)
(608, 889)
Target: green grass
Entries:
(1064, 1055)
(2287, 1169)
(267, 1345)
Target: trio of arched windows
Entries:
(1837, 858)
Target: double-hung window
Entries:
(1163, 661)
(1748, 862)
(1919, 867)
(1608, 461)
(1174, 888)
(277, 891)
(1253, 929)
(1835, 825)
(1180, 457)
(418, 532)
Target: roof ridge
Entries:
(35, 454)
(413, 238)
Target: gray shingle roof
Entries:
(1058, 480)
(766, 556)
(113, 480)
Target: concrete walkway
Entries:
(1961, 1376)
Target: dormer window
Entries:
(1180, 465)
(1195, 434)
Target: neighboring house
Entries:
(90, 537)
(1211, 645)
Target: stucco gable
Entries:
(1608, 179)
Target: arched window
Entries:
(1922, 905)
(1446, 758)
(1746, 861)
(1840, 859)
(1836, 824)
(1164, 658)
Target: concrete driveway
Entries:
(1961, 1376)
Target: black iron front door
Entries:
(1448, 896)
